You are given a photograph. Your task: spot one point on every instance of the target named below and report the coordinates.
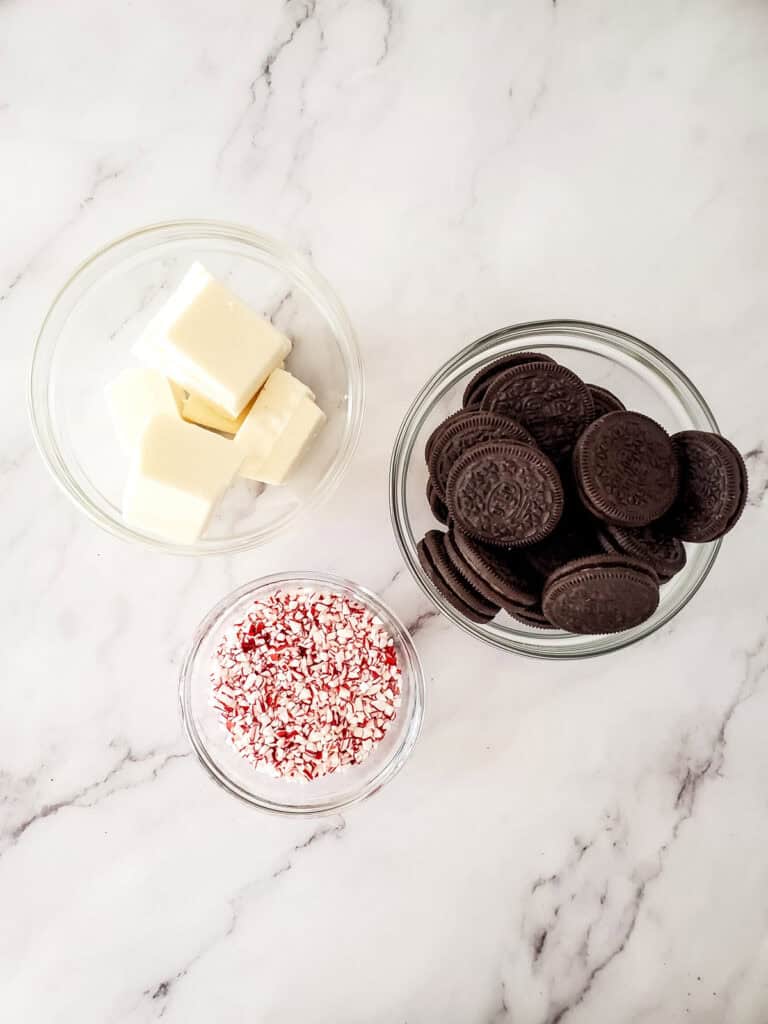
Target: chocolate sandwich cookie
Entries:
(651, 544)
(460, 594)
(458, 436)
(605, 401)
(474, 391)
(713, 487)
(626, 469)
(504, 571)
(548, 399)
(437, 432)
(465, 570)
(498, 587)
(436, 504)
(505, 493)
(601, 594)
(601, 561)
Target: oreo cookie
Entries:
(437, 432)
(505, 494)
(713, 487)
(475, 390)
(460, 594)
(651, 544)
(604, 401)
(504, 572)
(465, 570)
(626, 469)
(547, 399)
(457, 437)
(601, 594)
(437, 505)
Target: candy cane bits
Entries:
(306, 683)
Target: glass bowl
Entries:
(86, 339)
(641, 377)
(332, 792)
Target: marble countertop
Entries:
(580, 842)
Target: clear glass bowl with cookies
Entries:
(559, 489)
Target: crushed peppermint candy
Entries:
(306, 683)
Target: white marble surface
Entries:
(581, 842)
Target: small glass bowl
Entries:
(332, 792)
(640, 376)
(86, 339)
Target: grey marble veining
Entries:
(579, 842)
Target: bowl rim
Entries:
(281, 257)
(414, 668)
(470, 357)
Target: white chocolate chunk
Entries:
(290, 446)
(134, 397)
(268, 418)
(211, 343)
(178, 473)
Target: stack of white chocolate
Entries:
(212, 402)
